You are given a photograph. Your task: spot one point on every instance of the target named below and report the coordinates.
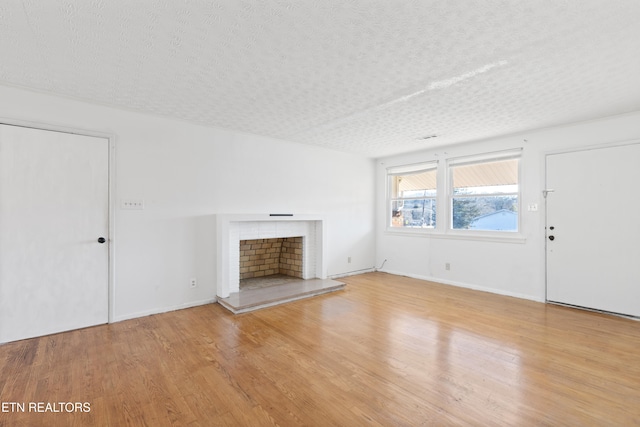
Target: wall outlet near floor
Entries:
(193, 282)
(349, 260)
(447, 266)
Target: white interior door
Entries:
(53, 209)
(593, 228)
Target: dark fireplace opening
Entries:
(264, 261)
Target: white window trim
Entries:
(485, 157)
(491, 235)
(402, 170)
(412, 168)
(444, 195)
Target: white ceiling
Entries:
(367, 76)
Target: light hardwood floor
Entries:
(386, 351)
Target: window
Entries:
(412, 196)
(485, 193)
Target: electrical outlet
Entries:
(193, 282)
(447, 266)
(349, 260)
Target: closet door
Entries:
(593, 228)
(54, 256)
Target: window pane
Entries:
(419, 184)
(494, 213)
(417, 213)
(494, 189)
(486, 178)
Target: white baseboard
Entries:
(466, 285)
(351, 273)
(163, 310)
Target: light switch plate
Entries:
(133, 204)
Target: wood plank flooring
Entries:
(386, 351)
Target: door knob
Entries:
(551, 237)
(101, 240)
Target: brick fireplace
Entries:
(271, 230)
(268, 257)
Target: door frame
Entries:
(575, 149)
(111, 138)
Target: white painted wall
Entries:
(516, 269)
(186, 173)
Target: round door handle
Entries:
(101, 240)
(551, 237)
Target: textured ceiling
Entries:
(368, 76)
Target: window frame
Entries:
(410, 169)
(452, 163)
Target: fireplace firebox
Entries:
(270, 257)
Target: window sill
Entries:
(456, 235)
